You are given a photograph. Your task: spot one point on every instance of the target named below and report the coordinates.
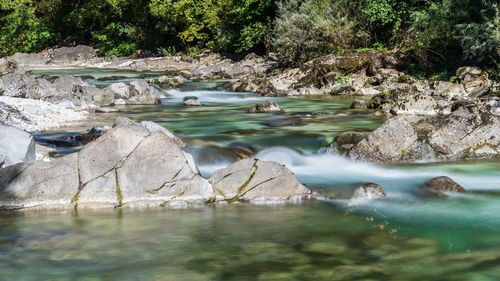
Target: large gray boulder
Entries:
(16, 146)
(258, 181)
(127, 166)
(395, 140)
(470, 132)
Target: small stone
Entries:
(444, 184)
(369, 191)
(266, 107)
(192, 102)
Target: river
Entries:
(407, 236)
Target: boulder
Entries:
(266, 107)
(469, 132)
(18, 85)
(137, 93)
(78, 53)
(369, 191)
(17, 146)
(120, 90)
(444, 184)
(395, 140)
(414, 104)
(207, 72)
(142, 93)
(127, 166)
(255, 180)
(90, 94)
(346, 141)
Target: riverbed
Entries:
(410, 235)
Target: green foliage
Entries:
(20, 29)
(439, 35)
(306, 29)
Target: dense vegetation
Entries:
(438, 34)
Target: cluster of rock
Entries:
(34, 115)
(470, 131)
(141, 165)
(40, 103)
(381, 76)
(437, 186)
(204, 66)
(74, 90)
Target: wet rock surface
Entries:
(469, 132)
(258, 181)
(266, 107)
(444, 184)
(140, 165)
(395, 140)
(369, 191)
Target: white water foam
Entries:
(175, 96)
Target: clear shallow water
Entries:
(408, 236)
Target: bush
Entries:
(307, 29)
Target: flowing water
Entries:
(408, 236)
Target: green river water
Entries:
(408, 236)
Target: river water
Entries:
(408, 236)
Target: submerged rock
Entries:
(444, 184)
(258, 181)
(16, 146)
(369, 191)
(192, 101)
(266, 107)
